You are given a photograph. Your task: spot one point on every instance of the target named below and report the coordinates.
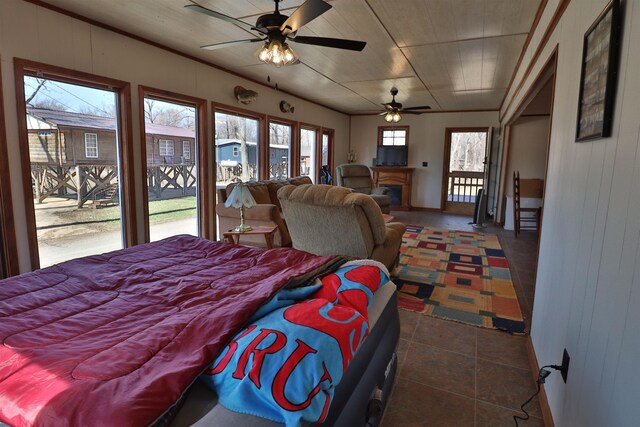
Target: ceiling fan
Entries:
(393, 108)
(276, 30)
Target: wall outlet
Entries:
(425, 164)
(565, 365)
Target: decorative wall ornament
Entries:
(285, 107)
(599, 75)
(245, 96)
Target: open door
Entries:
(464, 168)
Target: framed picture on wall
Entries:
(599, 75)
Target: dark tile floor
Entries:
(451, 374)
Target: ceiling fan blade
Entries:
(228, 44)
(423, 107)
(384, 113)
(307, 12)
(412, 112)
(329, 42)
(234, 21)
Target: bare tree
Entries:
(41, 83)
(177, 116)
(48, 104)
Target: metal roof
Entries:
(87, 121)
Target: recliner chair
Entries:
(329, 220)
(358, 178)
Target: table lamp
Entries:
(241, 198)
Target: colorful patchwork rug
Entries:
(457, 275)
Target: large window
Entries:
(308, 153)
(173, 184)
(76, 205)
(237, 147)
(393, 135)
(280, 141)
(90, 145)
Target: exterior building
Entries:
(65, 138)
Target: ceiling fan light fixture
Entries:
(277, 53)
(392, 116)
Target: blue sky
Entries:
(73, 97)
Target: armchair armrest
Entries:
(387, 252)
(380, 191)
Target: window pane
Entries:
(172, 177)
(467, 151)
(75, 182)
(279, 151)
(308, 161)
(325, 149)
(91, 145)
(236, 148)
(394, 137)
(186, 150)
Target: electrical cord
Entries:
(543, 373)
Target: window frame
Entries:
(8, 264)
(127, 173)
(165, 142)
(294, 147)
(86, 146)
(383, 129)
(186, 154)
(262, 131)
(205, 198)
(317, 149)
(331, 134)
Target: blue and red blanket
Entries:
(286, 364)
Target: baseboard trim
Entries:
(547, 417)
(420, 209)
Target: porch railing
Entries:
(464, 186)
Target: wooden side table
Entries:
(268, 231)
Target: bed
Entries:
(121, 338)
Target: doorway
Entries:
(464, 168)
(526, 149)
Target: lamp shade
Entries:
(240, 197)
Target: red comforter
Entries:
(115, 339)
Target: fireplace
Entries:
(399, 181)
(395, 192)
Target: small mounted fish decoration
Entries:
(285, 107)
(245, 96)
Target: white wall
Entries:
(588, 283)
(426, 144)
(527, 149)
(35, 33)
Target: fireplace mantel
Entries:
(388, 176)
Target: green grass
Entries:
(159, 211)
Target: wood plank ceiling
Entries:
(450, 54)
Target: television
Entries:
(391, 155)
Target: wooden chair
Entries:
(527, 222)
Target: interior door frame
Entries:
(447, 156)
(549, 69)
